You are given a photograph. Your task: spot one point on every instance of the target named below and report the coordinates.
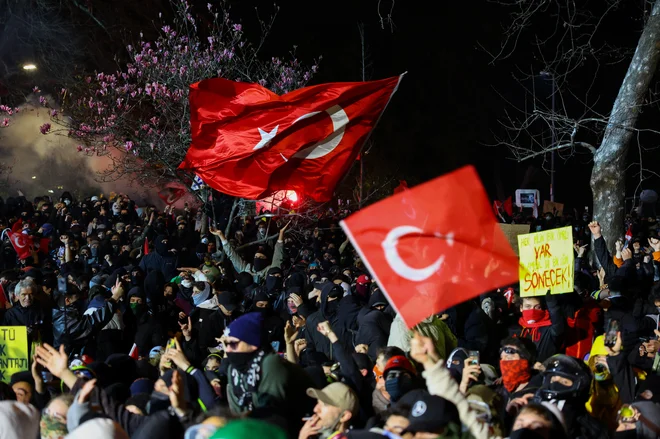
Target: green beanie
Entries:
(249, 428)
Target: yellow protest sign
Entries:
(546, 262)
(13, 351)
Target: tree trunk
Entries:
(608, 174)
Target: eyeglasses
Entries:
(509, 350)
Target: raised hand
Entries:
(57, 362)
(290, 333)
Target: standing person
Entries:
(27, 312)
(260, 381)
(163, 259)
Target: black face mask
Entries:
(525, 433)
(627, 434)
(259, 264)
(332, 307)
(399, 386)
(274, 283)
(241, 361)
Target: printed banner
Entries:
(13, 351)
(546, 262)
(512, 231)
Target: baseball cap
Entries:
(428, 413)
(399, 362)
(337, 395)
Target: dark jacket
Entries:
(551, 337)
(161, 260)
(73, 328)
(315, 339)
(374, 324)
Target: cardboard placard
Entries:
(512, 231)
(554, 208)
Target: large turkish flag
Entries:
(250, 142)
(434, 246)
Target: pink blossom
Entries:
(129, 48)
(5, 122)
(182, 70)
(167, 29)
(128, 145)
(238, 27)
(43, 101)
(107, 139)
(154, 60)
(36, 89)
(53, 113)
(209, 6)
(45, 128)
(79, 148)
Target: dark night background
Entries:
(449, 106)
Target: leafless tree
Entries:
(568, 39)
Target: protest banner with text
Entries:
(13, 351)
(546, 262)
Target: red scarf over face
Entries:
(514, 373)
(532, 320)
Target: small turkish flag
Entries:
(250, 142)
(134, 354)
(171, 194)
(434, 246)
(22, 244)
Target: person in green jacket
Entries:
(260, 382)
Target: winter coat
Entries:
(240, 265)
(161, 260)
(550, 337)
(73, 329)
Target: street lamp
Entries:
(29, 66)
(547, 75)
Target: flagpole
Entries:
(366, 140)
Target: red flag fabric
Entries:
(44, 244)
(171, 194)
(22, 244)
(134, 353)
(3, 297)
(428, 256)
(17, 226)
(508, 206)
(403, 185)
(146, 247)
(250, 142)
(629, 234)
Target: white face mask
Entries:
(67, 201)
(186, 283)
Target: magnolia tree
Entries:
(139, 116)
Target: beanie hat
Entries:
(243, 428)
(247, 328)
(142, 385)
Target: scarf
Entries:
(202, 296)
(514, 373)
(531, 321)
(245, 383)
(52, 428)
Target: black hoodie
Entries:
(327, 311)
(374, 324)
(161, 260)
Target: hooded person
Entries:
(328, 311)
(18, 420)
(374, 324)
(400, 377)
(259, 267)
(604, 400)
(260, 381)
(162, 259)
(142, 326)
(273, 324)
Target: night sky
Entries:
(449, 105)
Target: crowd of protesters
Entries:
(149, 324)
